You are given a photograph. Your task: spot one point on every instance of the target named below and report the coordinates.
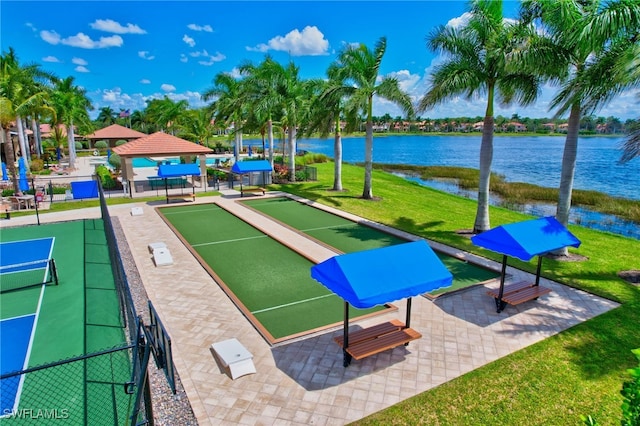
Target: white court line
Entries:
(291, 304)
(229, 241)
(191, 211)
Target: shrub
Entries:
(78, 146)
(115, 162)
(36, 165)
(106, 179)
(120, 142)
(101, 145)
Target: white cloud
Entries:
(309, 42)
(50, 59)
(144, 54)
(168, 87)
(81, 68)
(33, 27)
(196, 27)
(460, 21)
(79, 61)
(191, 42)
(111, 26)
(208, 59)
(145, 81)
(183, 58)
(81, 40)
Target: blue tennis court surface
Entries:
(15, 337)
(24, 251)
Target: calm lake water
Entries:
(536, 160)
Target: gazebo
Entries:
(158, 144)
(112, 134)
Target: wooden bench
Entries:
(516, 293)
(182, 196)
(253, 190)
(379, 338)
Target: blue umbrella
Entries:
(250, 152)
(108, 154)
(23, 183)
(58, 153)
(4, 172)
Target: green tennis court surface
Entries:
(272, 282)
(348, 236)
(79, 316)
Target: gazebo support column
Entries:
(538, 269)
(500, 304)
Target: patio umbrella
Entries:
(250, 151)
(5, 176)
(525, 240)
(374, 277)
(23, 183)
(58, 153)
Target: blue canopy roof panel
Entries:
(375, 277)
(251, 166)
(527, 239)
(176, 170)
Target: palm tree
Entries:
(23, 90)
(260, 89)
(166, 113)
(106, 116)
(325, 117)
(197, 126)
(359, 67)
(600, 39)
(482, 61)
(631, 146)
(71, 104)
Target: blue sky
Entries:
(125, 53)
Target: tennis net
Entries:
(27, 274)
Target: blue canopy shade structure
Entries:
(525, 240)
(166, 171)
(251, 166)
(177, 170)
(374, 277)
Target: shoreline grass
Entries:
(577, 372)
(520, 192)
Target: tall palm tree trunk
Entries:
(24, 145)
(292, 153)
(270, 136)
(10, 157)
(337, 158)
(568, 169)
(71, 141)
(486, 157)
(367, 192)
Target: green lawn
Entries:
(577, 372)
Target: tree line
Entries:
(588, 51)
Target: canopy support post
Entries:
(538, 269)
(166, 189)
(500, 304)
(407, 322)
(346, 357)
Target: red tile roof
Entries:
(160, 144)
(116, 131)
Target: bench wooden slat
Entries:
(252, 190)
(510, 288)
(525, 295)
(370, 332)
(183, 196)
(388, 341)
